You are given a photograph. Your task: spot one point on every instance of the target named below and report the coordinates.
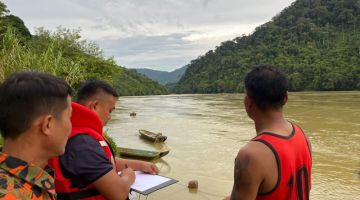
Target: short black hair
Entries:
(24, 96)
(92, 87)
(267, 85)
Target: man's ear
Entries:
(286, 98)
(46, 124)
(93, 105)
(248, 101)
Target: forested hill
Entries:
(63, 53)
(163, 77)
(317, 42)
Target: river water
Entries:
(205, 133)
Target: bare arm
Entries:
(113, 186)
(247, 176)
(137, 165)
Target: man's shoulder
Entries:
(82, 141)
(83, 137)
(253, 149)
(20, 180)
(13, 168)
(255, 154)
(5, 176)
(13, 187)
(31, 184)
(10, 184)
(82, 147)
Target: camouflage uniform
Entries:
(20, 180)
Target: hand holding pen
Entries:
(129, 173)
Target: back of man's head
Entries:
(26, 96)
(90, 89)
(267, 86)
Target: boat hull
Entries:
(150, 136)
(141, 154)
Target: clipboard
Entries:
(147, 183)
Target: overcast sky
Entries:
(156, 34)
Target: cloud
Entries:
(156, 52)
(158, 33)
(218, 32)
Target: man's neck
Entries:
(26, 149)
(272, 122)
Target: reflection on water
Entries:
(206, 131)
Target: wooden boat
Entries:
(142, 154)
(164, 153)
(153, 137)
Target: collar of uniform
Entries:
(28, 172)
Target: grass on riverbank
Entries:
(16, 56)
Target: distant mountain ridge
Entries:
(316, 42)
(163, 77)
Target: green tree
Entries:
(316, 42)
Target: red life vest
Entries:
(294, 163)
(84, 121)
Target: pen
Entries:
(126, 166)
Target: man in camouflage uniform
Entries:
(19, 180)
(35, 122)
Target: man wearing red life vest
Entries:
(276, 164)
(88, 169)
